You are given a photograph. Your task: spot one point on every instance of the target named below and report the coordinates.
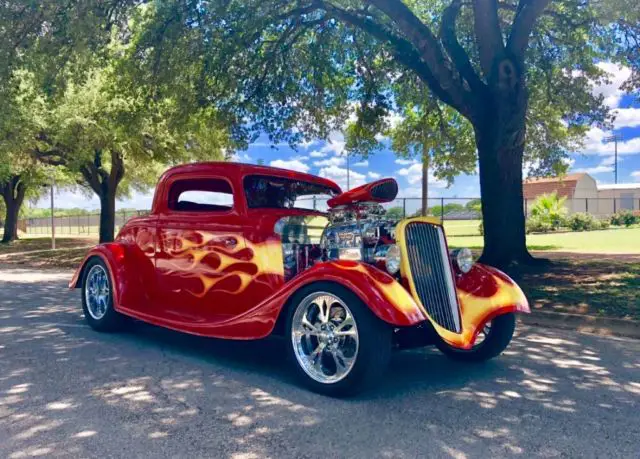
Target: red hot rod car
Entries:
(233, 251)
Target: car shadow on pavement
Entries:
(67, 390)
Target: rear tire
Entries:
(495, 341)
(97, 298)
(337, 346)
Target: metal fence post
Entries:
(441, 209)
(586, 205)
(404, 207)
(614, 206)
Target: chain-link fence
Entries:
(447, 209)
(86, 224)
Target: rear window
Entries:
(281, 193)
(201, 195)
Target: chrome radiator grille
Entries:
(432, 274)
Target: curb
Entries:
(583, 323)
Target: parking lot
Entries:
(66, 390)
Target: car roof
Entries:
(241, 170)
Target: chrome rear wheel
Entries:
(97, 292)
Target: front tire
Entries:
(97, 298)
(495, 337)
(336, 344)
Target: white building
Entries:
(584, 194)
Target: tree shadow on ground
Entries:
(66, 390)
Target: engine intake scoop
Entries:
(383, 190)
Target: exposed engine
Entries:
(354, 230)
(358, 232)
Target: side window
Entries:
(201, 195)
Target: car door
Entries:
(200, 247)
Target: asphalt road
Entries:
(68, 391)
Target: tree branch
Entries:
(488, 33)
(456, 51)
(526, 15)
(429, 49)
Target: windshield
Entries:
(281, 193)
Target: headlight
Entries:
(463, 258)
(392, 259)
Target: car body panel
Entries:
(221, 274)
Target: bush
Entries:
(582, 221)
(604, 224)
(481, 229)
(624, 218)
(538, 225)
(548, 210)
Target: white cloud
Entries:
(363, 163)
(334, 161)
(293, 164)
(301, 157)
(636, 175)
(617, 74)
(413, 174)
(317, 154)
(373, 175)
(339, 175)
(605, 166)
(626, 117)
(595, 145)
(595, 170)
(405, 162)
(307, 143)
(238, 157)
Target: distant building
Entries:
(584, 194)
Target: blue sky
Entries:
(327, 158)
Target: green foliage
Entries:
(481, 228)
(474, 205)
(582, 221)
(624, 218)
(437, 211)
(351, 60)
(537, 225)
(395, 213)
(549, 210)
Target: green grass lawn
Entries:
(614, 240)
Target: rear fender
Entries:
(130, 270)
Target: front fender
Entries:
(385, 296)
(130, 270)
(483, 293)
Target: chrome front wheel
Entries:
(325, 337)
(337, 345)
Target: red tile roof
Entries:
(564, 186)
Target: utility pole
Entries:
(348, 187)
(615, 138)
(53, 220)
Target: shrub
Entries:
(481, 229)
(537, 225)
(604, 224)
(549, 210)
(582, 221)
(624, 218)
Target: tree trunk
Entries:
(13, 194)
(425, 184)
(107, 215)
(105, 185)
(500, 135)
